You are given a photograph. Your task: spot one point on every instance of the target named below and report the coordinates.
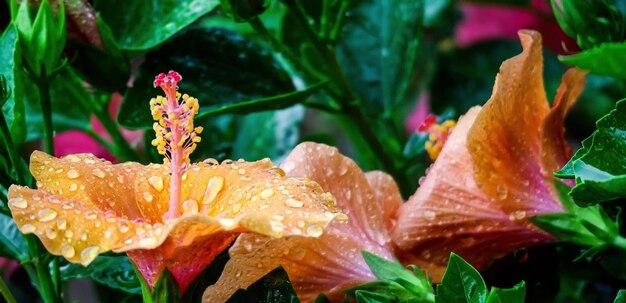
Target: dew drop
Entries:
(123, 227)
(68, 251)
(293, 203)
(502, 192)
(266, 193)
(156, 182)
(227, 223)
(276, 226)
(46, 215)
(108, 233)
(147, 196)
(69, 234)
(61, 223)
(236, 208)
(51, 234)
(72, 174)
(73, 187)
(149, 241)
(98, 173)
(18, 203)
(215, 185)
(430, 215)
(28, 228)
(314, 230)
(89, 254)
(190, 207)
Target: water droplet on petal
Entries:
(212, 189)
(46, 215)
(98, 173)
(69, 234)
(72, 174)
(18, 203)
(430, 215)
(50, 233)
(266, 193)
(28, 228)
(314, 230)
(156, 182)
(61, 223)
(147, 196)
(293, 203)
(149, 241)
(68, 251)
(73, 187)
(89, 254)
(502, 191)
(190, 207)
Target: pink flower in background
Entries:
(75, 141)
(483, 22)
(419, 113)
(7, 267)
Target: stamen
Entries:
(437, 134)
(176, 136)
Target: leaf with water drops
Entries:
(599, 167)
(146, 24)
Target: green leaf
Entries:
(378, 50)
(516, 294)
(566, 227)
(390, 289)
(12, 243)
(222, 68)
(165, 290)
(599, 167)
(274, 287)
(69, 100)
(113, 271)
(13, 109)
(144, 24)
(461, 283)
(263, 104)
(605, 59)
(363, 296)
(270, 134)
(621, 296)
(394, 271)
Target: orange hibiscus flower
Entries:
(331, 263)
(494, 172)
(177, 216)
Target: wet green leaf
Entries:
(12, 243)
(274, 287)
(599, 167)
(606, 59)
(113, 271)
(516, 294)
(144, 24)
(13, 109)
(222, 68)
(461, 283)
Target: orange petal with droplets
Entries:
(85, 206)
(450, 213)
(505, 140)
(555, 151)
(388, 196)
(329, 264)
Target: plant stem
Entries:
(341, 16)
(123, 149)
(45, 283)
(324, 23)
(345, 96)
(6, 293)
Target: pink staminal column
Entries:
(176, 136)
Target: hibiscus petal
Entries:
(329, 264)
(387, 194)
(555, 151)
(129, 190)
(333, 262)
(449, 213)
(343, 178)
(505, 140)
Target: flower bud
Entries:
(42, 40)
(590, 23)
(244, 10)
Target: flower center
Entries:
(438, 134)
(176, 136)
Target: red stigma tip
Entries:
(427, 123)
(171, 79)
